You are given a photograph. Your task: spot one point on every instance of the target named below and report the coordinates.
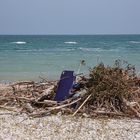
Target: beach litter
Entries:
(106, 92)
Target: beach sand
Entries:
(21, 127)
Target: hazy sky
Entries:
(69, 16)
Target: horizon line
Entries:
(67, 34)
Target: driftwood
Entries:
(65, 105)
(48, 102)
(50, 109)
(81, 105)
(107, 113)
(28, 107)
(45, 103)
(131, 106)
(9, 108)
(23, 83)
(106, 91)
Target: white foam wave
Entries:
(63, 50)
(97, 49)
(32, 50)
(70, 42)
(135, 42)
(19, 42)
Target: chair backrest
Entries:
(64, 85)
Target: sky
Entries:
(69, 17)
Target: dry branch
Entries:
(81, 105)
(40, 114)
(65, 105)
(8, 108)
(127, 103)
(115, 91)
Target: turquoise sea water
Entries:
(27, 57)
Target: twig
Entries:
(81, 105)
(9, 109)
(131, 107)
(65, 105)
(26, 99)
(40, 114)
(23, 83)
(45, 103)
(6, 98)
(108, 113)
(6, 113)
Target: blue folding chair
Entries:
(65, 85)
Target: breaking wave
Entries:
(135, 42)
(19, 42)
(98, 49)
(70, 42)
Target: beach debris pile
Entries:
(113, 91)
(106, 91)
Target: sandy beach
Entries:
(21, 116)
(16, 126)
(21, 127)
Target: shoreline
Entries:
(38, 79)
(17, 125)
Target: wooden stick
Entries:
(53, 108)
(9, 109)
(81, 105)
(26, 99)
(108, 113)
(131, 107)
(47, 103)
(65, 105)
(6, 98)
(23, 83)
(6, 113)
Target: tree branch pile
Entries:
(107, 91)
(114, 89)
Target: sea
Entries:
(33, 57)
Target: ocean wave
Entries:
(135, 42)
(27, 50)
(97, 49)
(44, 50)
(70, 42)
(68, 50)
(63, 50)
(19, 42)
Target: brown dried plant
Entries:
(110, 85)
